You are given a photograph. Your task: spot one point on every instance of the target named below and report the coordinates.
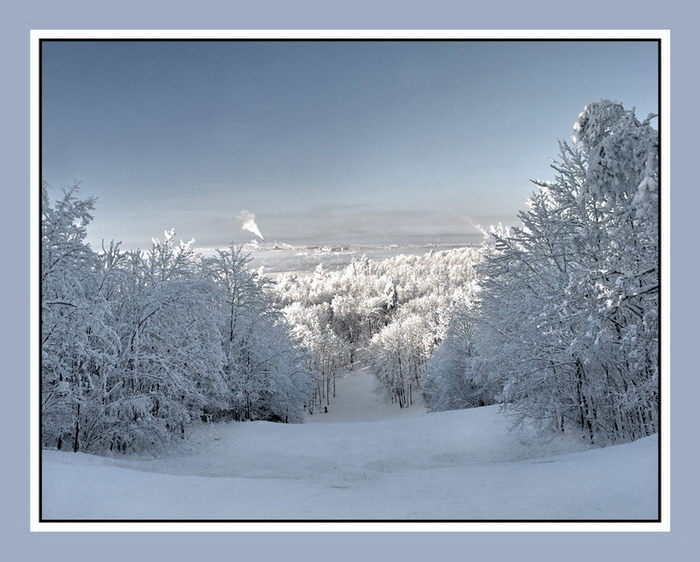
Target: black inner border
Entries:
(661, 101)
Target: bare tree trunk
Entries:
(76, 438)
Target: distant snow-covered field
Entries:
(276, 259)
(363, 460)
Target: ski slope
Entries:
(362, 461)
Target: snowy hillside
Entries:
(363, 460)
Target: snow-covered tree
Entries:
(137, 345)
(328, 352)
(398, 355)
(455, 375)
(265, 369)
(79, 347)
(346, 315)
(170, 361)
(570, 299)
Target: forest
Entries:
(557, 320)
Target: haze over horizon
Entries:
(320, 142)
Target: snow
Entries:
(362, 461)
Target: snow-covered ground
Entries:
(363, 460)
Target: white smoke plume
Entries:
(248, 223)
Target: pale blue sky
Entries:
(325, 142)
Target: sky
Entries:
(319, 142)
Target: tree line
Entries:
(137, 345)
(389, 314)
(565, 329)
(556, 319)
